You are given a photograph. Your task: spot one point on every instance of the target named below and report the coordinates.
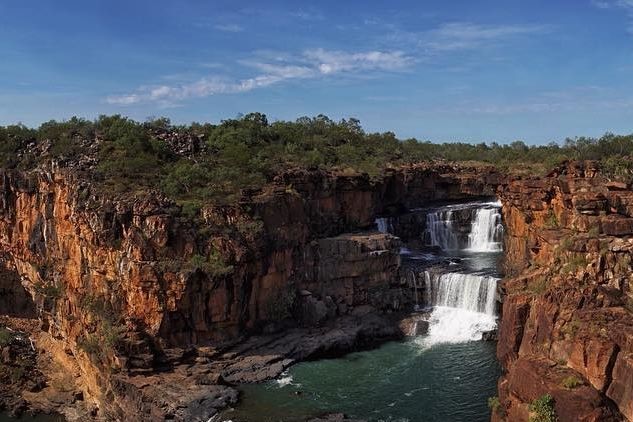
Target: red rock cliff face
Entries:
(567, 324)
(121, 284)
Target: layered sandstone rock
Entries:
(132, 294)
(568, 310)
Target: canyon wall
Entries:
(567, 321)
(128, 288)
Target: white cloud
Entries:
(464, 35)
(229, 28)
(329, 62)
(626, 5)
(309, 65)
(272, 68)
(123, 99)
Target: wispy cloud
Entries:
(582, 98)
(608, 4)
(625, 5)
(230, 27)
(464, 35)
(307, 15)
(309, 65)
(271, 68)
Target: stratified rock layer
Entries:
(567, 323)
(152, 311)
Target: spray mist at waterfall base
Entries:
(452, 325)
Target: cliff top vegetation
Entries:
(201, 163)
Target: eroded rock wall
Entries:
(567, 320)
(128, 286)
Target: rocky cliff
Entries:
(567, 324)
(150, 311)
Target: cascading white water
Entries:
(384, 225)
(464, 291)
(463, 307)
(486, 231)
(439, 226)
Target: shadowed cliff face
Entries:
(132, 286)
(567, 325)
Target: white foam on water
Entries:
(285, 380)
(454, 325)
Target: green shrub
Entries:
(495, 405)
(5, 336)
(280, 305)
(48, 290)
(248, 151)
(551, 221)
(566, 243)
(542, 409)
(570, 329)
(571, 382)
(537, 285)
(213, 264)
(191, 209)
(101, 344)
(575, 263)
(249, 228)
(594, 232)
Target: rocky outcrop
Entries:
(567, 322)
(137, 297)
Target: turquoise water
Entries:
(401, 381)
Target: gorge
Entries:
(150, 315)
(434, 375)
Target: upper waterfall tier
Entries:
(487, 231)
(476, 227)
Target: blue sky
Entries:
(535, 70)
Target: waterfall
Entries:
(439, 227)
(384, 225)
(414, 280)
(486, 231)
(471, 292)
(463, 307)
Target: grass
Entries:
(571, 382)
(570, 329)
(594, 232)
(575, 263)
(537, 285)
(494, 404)
(551, 221)
(542, 409)
(566, 243)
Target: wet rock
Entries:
(492, 335)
